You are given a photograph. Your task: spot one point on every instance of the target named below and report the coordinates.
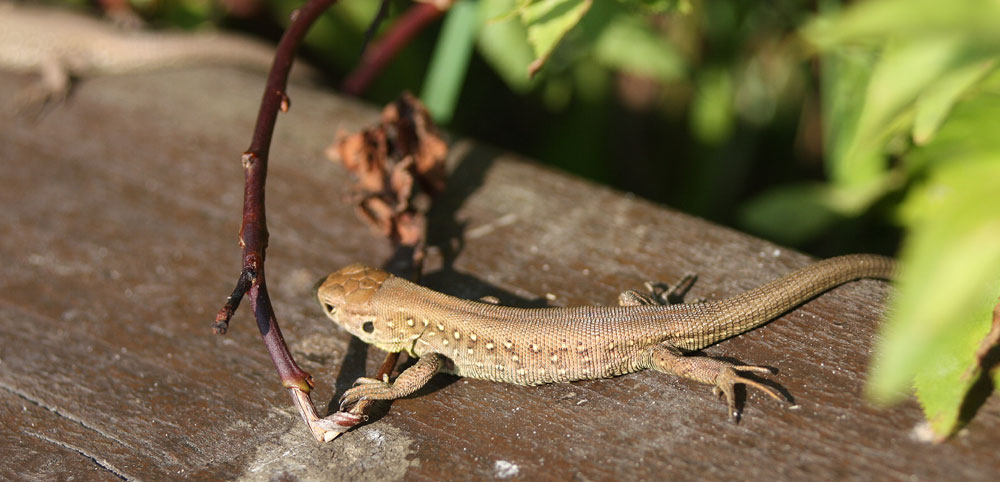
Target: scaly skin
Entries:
(549, 345)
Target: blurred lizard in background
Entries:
(61, 46)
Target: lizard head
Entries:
(346, 298)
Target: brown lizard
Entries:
(531, 346)
(60, 45)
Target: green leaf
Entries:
(845, 74)
(790, 214)
(799, 213)
(450, 61)
(935, 104)
(950, 278)
(712, 113)
(628, 44)
(547, 22)
(662, 6)
(900, 77)
(870, 23)
(920, 42)
(968, 134)
(949, 283)
(504, 43)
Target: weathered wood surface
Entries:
(118, 240)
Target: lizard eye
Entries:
(330, 308)
(368, 327)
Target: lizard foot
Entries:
(721, 374)
(728, 377)
(657, 293)
(406, 383)
(365, 388)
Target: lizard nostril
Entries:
(368, 327)
(330, 308)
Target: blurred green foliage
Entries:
(923, 132)
(871, 126)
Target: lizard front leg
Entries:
(406, 383)
(722, 375)
(52, 87)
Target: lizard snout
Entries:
(350, 288)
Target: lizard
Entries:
(532, 346)
(60, 45)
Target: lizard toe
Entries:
(366, 388)
(729, 377)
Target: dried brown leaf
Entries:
(397, 162)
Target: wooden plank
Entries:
(31, 451)
(118, 236)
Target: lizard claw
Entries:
(364, 388)
(659, 293)
(727, 380)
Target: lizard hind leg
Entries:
(659, 293)
(722, 375)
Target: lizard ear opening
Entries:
(368, 327)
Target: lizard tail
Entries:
(753, 308)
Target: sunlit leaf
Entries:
(664, 6)
(919, 43)
(712, 108)
(799, 213)
(446, 74)
(872, 22)
(945, 294)
(845, 75)
(629, 45)
(951, 267)
(547, 21)
(503, 42)
(969, 133)
(791, 214)
(935, 104)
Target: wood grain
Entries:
(118, 240)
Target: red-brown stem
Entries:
(253, 230)
(378, 55)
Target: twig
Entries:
(253, 231)
(383, 11)
(385, 49)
